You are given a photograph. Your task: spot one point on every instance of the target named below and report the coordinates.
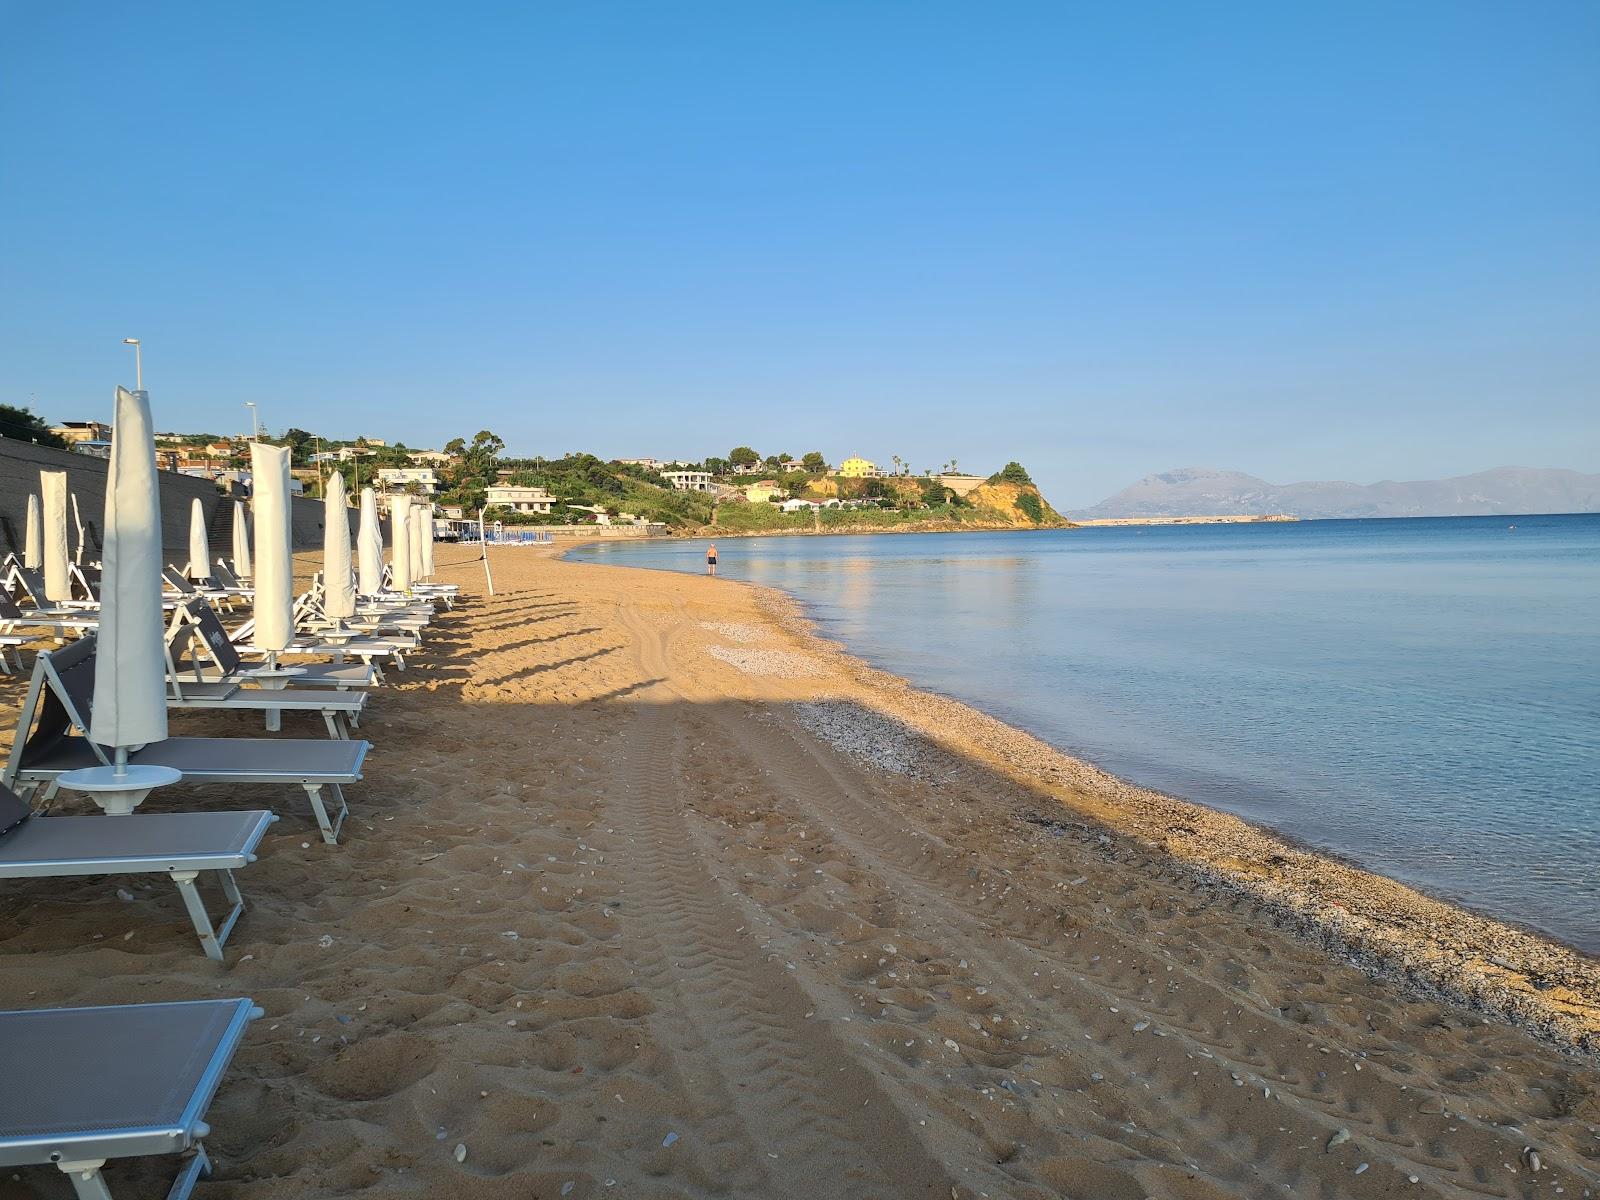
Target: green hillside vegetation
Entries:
(579, 482)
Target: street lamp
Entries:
(138, 364)
(255, 421)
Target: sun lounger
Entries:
(119, 1081)
(338, 709)
(212, 640)
(57, 621)
(57, 711)
(179, 845)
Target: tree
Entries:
(934, 493)
(772, 460)
(814, 462)
(717, 466)
(297, 440)
(1030, 506)
(21, 425)
(743, 456)
(1012, 472)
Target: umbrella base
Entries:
(118, 794)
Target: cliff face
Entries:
(1009, 503)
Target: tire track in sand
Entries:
(785, 1109)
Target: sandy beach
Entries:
(650, 892)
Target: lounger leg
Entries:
(50, 790)
(330, 831)
(274, 720)
(197, 1168)
(209, 942)
(335, 726)
(87, 1181)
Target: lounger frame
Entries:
(81, 1153)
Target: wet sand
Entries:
(650, 893)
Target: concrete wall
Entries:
(21, 462)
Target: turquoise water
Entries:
(1420, 696)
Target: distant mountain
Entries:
(1200, 491)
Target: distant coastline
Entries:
(1227, 519)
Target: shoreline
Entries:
(1430, 947)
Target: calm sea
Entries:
(1421, 696)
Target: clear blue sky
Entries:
(1340, 240)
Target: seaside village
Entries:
(354, 842)
(469, 480)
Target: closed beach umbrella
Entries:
(241, 542)
(399, 544)
(338, 582)
(130, 688)
(414, 519)
(33, 539)
(427, 540)
(199, 548)
(274, 579)
(53, 487)
(369, 545)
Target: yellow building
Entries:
(767, 490)
(858, 468)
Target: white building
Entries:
(688, 481)
(790, 506)
(522, 499)
(399, 479)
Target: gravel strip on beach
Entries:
(734, 631)
(782, 664)
(861, 733)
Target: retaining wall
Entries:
(21, 462)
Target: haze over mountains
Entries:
(1202, 491)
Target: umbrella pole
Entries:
(483, 545)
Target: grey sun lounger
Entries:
(337, 708)
(179, 845)
(57, 711)
(119, 1081)
(211, 639)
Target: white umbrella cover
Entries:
(427, 539)
(338, 582)
(274, 578)
(57, 583)
(415, 520)
(199, 546)
(33, 539)
(241, 542)
(369, 545)
(399, 544)
(130, 679)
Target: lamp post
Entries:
(138, 364)
(255, 421)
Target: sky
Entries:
(1309, 241)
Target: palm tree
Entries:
(895, 458)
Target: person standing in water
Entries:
(711, 559)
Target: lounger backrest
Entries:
(88, 579)
(177, 580)
(13, 810)
(223, 575)
(8, 607)
(30, 581)
(215, 636)
(67, 700)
